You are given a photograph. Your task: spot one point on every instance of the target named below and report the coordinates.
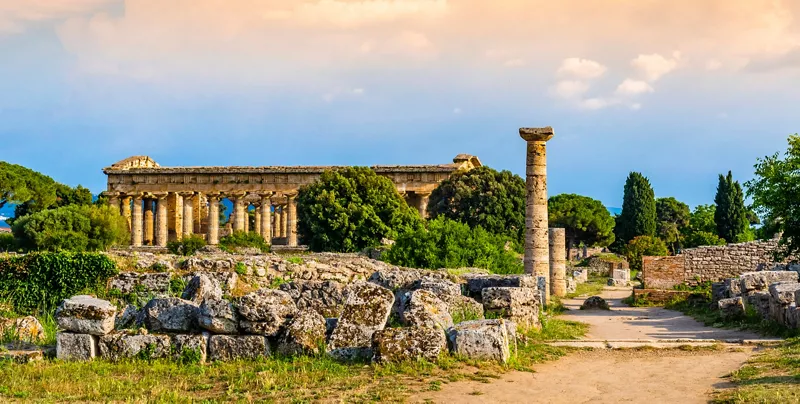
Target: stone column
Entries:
(284, 222)
(113, 200)
(188, 214)
(126, 210)
(422, 203)
(137, 221)
(178, 216)
(238, 212)
(537, 261)
(266, 217)
(278, 221)
(198, 213)
(257, 223)
(291, 220)
(558, 262)
(148, 221)
(162, 228)
(213, 219)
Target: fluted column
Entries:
(136, 221)
(148, 221)
(266, 217)
(126, 210)
(291, 220)
(537, 254)
(162, 223)
(284, 222)
(422, 204)
(213, 219)
(278, 221)
(257, 223)
(558, 262)
(178, 216)
(238, 212)
(247, 217)
(188, 214)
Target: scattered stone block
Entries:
(572, 285)
(401, 344)
(218, 316)
(141, 283)
(189, 347)
(21, 352)
(621, 274)
(234, 347)
(464, 308)
(304, 334)
(27, 329)
(759, 301)
(76, 347)
(422, 308)
(441, 288)
(595, 303)
(581, 275)
(781, 296)
(86, 315)
(719, 291)
(200, 288)
(752, 282)
(731, 308)
(127, 318)
(265, 311)
(326, 297)
(118, 346)
(476, 283)
(169, 315)
(367, 309)
(734, 287)
(520, 305)
(481, 339)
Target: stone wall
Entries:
(663, 272)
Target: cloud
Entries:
(353, 14)
(631, 87)
(568, 89)
(713, 64)
(581, 68)
(654, 66)
(514, 63)
(597, 103)
(15, 15)
(789, 60)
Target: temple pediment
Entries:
(134, 162)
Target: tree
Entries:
(774, 193)
(73, 228)
(731, 215)
(347, 210)
(672, 217)
(642, 246)
(19, 185)
(584, 219)
(702, 229)
(638, 217)
(491, 199)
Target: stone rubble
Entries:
(421, 308)
(265, 311)
(481, 339)
(200, 288)
(412, 343)
(520, 305)
(86, 315)
(169, 314)
(366, 311)
(304, 335)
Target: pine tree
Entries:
(731, 215)
(638, 217)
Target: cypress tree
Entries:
(731, 215)
(638, 217)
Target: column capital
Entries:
(536, 134)
(135, 195)
(266, 194)
(214, 195)
(291, 196)
(186, 194)
(160, 195)
(111, 194)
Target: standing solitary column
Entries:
(162, 228)
(422, 202)
(188, 214)
(213, 219)
(238, 213)
(291, 220)
(126, 210)
(137, 221)
(558, 262)
(537, 252)
(266, 217)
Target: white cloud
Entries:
(654, 66)
(713, 64)
(635, 106)
(597, 103)
(16, 14)
(514, 63)
(359, 13)
(567, 89)
(581, 68)
(631, 87)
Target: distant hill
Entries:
(615, 211)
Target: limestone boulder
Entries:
(520, 305)
(127, 318)
(751, 282)
(117, 346)
(366, 310)
(464, 308)
(218, 316)
(759, 301)
(422, 308)
(169, 315)
(442, 288)
(595, 303)
(224, 277)
(86, 315)
(325, 297)
(27, 329)
(719, 291)
(76, 347)
(481, 339)
(190, 348)
(731, 308)
(234, 347)
(265, 311)
(477, 282)
(304, 334)
(733, 286)
(141, 283)
(200, 288)
(412, 343)
(784, 292)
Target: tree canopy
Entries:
(72, 228)
(585, 220)
(485, 197)
(642, 246)
(20, 185)
(638, 217)
(731, 215)
(672, 217)
(702, 229)
(349, 209)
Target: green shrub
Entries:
(7, 242)
(71, 228)
(241, 239)
(644, 246)
(177, 285)
(43, 280)
(186, 246)
(240, 268)
(450, 244)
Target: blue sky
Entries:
(681, 91)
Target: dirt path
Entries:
(613, 376)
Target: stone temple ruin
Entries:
(166, 203)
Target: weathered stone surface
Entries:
(734, 286)
(581, 275)
(169, 315)
(520, 305)
(224, 277)
(21, 352)
(621, 274)
(77, 347)
(230, 347)
(367, 309)
(27, 329)
(784, 292)
(127, 318)
(265, 311)
(760, 281)
(200, 288)
(442, 288)
(141, 283)
(477, 282)
(326, 297)
(618, 282)
(86, 315)
(732, 307)
(595, 303)
(481, 339)
(464, 308)
(400, 344)
(572, 285)
(118, 346)
(304, 334)
(218, 316)
(190, 346)
(422, 308)
(758, 301)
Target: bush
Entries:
(42, 280)
(187, 246)
(350, 209)
(644, 246)
(7, 242)
(71, 228)
(242, 239)
(450, 244)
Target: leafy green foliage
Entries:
(450, 244)
(702, 238)
(7, 242)
(672, 216)
(177, 285)
(638, 217)
(643, 246)
(350, 209)
(42, 280)
(241, 239)
(730, 215)
(241, 268)
(19, 185)
(491, 199)
(774, 193)
(584, 219)
(72, 228)
(186, 246)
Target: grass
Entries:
(590, 288)
(772, 376)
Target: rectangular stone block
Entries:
(234, 347)
(118, 346)
(731, 307)
(760, 281)
(734, 286)
(75, 347)
(481, 339)
(507, 297)
(86, 315)
(759, 301)
(621, 275)
(185, 346)
(476, 283)
(783, 293)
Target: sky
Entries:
(680, 90)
